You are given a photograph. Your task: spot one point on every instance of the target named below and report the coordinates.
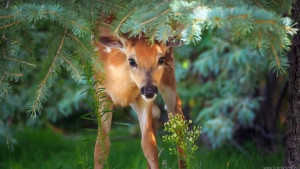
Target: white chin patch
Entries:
(107, 50)
(149, 99)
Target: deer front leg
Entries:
(102, 145)
(144, 112)
(167, 88)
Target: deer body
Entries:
(134, 73)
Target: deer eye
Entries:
(132, 62)
(161, 60)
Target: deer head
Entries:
(145, 61)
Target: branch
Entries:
(150, 20)
(258, 4)
(15, 74)
(2, 77)
(72, 66)
(77, 40)
(42, 85)
(11, 24)
(75, 23)
(12, 74)
(123, 20)
(112, 4)
(275, 2)
(20, 61)
(265, 21)
(7, 16)
(275, 54)
(259, 39)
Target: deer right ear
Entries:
(111, 42)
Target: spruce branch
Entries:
(112, 4)
(79, 42)
(272, 21)
(258, 4)
(259, 40)
(36, 108)
(2, 77)
(152, 19)
(275, 55)
(10, 24)
(76, 23)
(15, 74)
(20, 61)
(73, 67)
(5, 74)
(123, 20)
(275, 2)
(7, 16)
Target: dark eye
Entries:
(132, 62)
(161, 60)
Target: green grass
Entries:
(43, 149)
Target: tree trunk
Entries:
(266, 118)
(292, 149)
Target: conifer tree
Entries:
(71, 24)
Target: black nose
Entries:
(149, 91)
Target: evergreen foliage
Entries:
(48, 36)
(220, 80)
(266, 30)
(68, 43)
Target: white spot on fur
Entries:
(107, 50)
(155, 111)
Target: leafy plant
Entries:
(180, 136)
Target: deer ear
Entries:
(174, 43)
(111, 42)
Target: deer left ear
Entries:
(111, 42)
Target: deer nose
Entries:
(149, 91)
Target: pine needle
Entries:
(42, 85)
(2, 77)
(265, 21)
(15, 74)
(259, 40)
(20, 61)
(152, 19)
(112, 4)
(76, 23)
(8, 16)
(258, 4)
(123, 20)
(275, 55)
(72, 66)
(275, 2)
(77, 40)
(11, 24)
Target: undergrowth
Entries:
(42, 148)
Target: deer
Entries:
(135, 71)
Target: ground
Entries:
(44, 149)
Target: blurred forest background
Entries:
(233, 90)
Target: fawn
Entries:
(134, 73)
